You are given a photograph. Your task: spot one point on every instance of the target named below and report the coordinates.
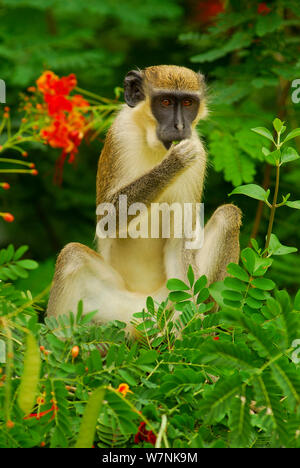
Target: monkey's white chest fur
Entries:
(146, 263)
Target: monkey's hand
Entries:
(186, 152)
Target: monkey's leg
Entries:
(220, 247)
(82, 274)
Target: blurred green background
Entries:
(249, 52)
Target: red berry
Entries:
(5, 186)
(75, 351)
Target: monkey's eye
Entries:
(166, 102)
(187, 102)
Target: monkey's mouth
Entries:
(167, 144)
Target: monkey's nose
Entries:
(179, 126)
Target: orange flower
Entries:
(46, 81)
(8, 217)
(124, 389)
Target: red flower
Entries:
(263, 9)
(144, 434)
(49, 83)
(207, 10)
(57, 103)
(216, 338)
(67, 124)
(53, 408)
(65, 84)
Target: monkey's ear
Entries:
(133, 88)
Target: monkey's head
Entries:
(173, 96)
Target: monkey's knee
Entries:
(71, 258)
(230, 216)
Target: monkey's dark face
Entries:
(175, 112)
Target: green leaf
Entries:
(191, 276)
(215, 290)
(218, 401)
(28, 264)
(127, 377)
(273, 158)
(237, 272)
(234, 296)
(235, 284)
(175, 284)
(203, 296)
(89, 420)
(276, 248)
(9, 253)
(150, 305)
(293, 134)
(263, 283)
(294, 204)
(239, 422)
(177, 296)
(200, 284)
(253, 303)
(248, 259)
(147, 357)
(277, 124)
(20, 252)
(288, 379)
(252, 191)
(267, 24)
(266, 394)
(19, 271)
(263, 132)
(289, 154)
(265, 151)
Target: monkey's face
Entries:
(175, 111)
(173, 96)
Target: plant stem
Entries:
(15, 171)
(15, 161)
(93, 95)
(274, 205)
(162, 431)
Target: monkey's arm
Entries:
(149, 186)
